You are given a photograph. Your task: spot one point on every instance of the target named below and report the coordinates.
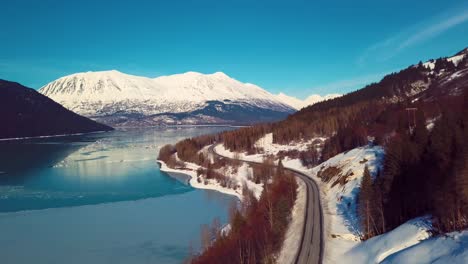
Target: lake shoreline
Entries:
(191, 178)
(54, 136)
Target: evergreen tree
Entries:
(421, 135)
(366, 205)
(378, 200)
(280, 169)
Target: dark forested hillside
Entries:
(418, 115)
(376, 110)
(424, 172)
(27, 113)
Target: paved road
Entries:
(311, 246)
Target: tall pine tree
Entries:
(366, 205)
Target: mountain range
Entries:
(120, 99)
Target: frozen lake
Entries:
(100, 198)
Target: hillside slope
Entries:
(27, 113)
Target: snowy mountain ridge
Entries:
(299, 104)
(106, 93)
(455, 59)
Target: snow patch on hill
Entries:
(454, 59)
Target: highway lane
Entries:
(312, 244)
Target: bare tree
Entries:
(205, 236)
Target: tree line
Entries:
(424, 172)
(257, 227)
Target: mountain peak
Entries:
(189, 73)
(220, 74)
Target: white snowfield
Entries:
(298, 104)
(105, 92)
(409, 243)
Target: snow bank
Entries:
(293, 235)
(451, 248)
(411, 243)
(376, 249)
(341, 227)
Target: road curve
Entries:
(312, 244)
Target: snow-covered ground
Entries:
(241, 176)
(293, 235)
(451, 248)
(266, 147)
(191, 171)
(409, 243)
(341, 224)
(376, 249)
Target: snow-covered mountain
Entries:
(116, 98)
(299, 104)
(290, 100)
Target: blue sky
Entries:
(296, 47)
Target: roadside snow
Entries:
(408, 243)
(293, 235)
(339, 202)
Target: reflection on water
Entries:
(130, 211)
(87, 169)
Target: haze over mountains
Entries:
(298, 104)
(121, 99)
